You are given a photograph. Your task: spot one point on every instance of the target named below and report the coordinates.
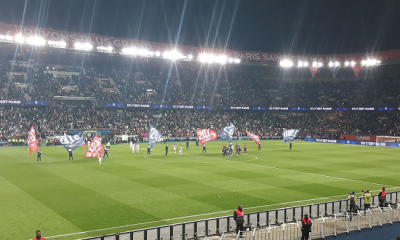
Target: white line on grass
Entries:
(285, 169)
(202, 214)
(162, 160)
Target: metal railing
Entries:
(329, 218)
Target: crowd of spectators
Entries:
(189, 83)
(16, 121)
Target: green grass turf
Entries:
(60, 196)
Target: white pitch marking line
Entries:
(285, 169)
(183, 161)
(203, 214)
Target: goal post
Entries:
(388, 141)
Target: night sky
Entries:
(283, 26)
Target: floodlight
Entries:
(305, 64)
(129, 51)
(173, 55)
(36, 41)
(315, 64)
(157, 53)
(320, 64)
(83, 46)
(230, 60)
(337, 64)
(300, 64)
(286, 63)
(221, 59)
(6, 38)
(61, 44)
(353, 63)
(19, 38)
(190, 57)
(236, 60)
(105, 49)
(346, 63)
(205, 58)
(330, 64)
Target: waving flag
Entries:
(95, 148)
(255, 138)
(205, 135)
(227, 132)
(32, 141)
(154, 136)
(69, 141)
(290, 135)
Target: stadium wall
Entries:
(352, 142)
(358, 137)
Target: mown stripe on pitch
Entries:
(83, 207)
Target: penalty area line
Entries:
(202, 214)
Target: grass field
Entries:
(61, 197)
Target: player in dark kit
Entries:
(166, 150)
(106, 151)
(187, 145)
(290, 144)
(245, 149)
(39, 155)
(70, 154)
(259, 146)
(148, 149)
(204, 148)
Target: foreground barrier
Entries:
(329, 219)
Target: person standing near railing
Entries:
(305, 227)
(352, 198)
(239, 219)
(367, 200)
(382, 197)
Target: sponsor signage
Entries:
(362, 108)
(279, 108)
(23, 102)
(136, 105)
(240, 108)
(351, 142)
(357, 137)
(183, 106)
(119, 43)
(320, 108)
(10, 102)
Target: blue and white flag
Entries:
(227, 132)
(69, 141)
(154, 136)
(290, 135)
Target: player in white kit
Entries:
(180, 150)
(137, 147)
(133, 148)
(100, 155)
(174, 148)
(130, 145)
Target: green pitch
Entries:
(60, 197)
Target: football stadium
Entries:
(150, 120)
